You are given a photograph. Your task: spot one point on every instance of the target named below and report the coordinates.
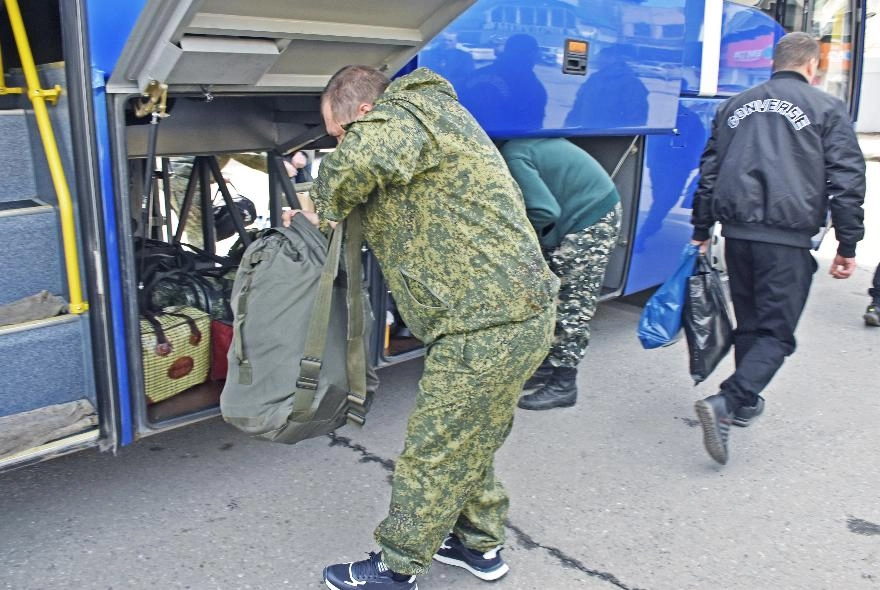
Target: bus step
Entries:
(30, 260)
(46, 364)
(55, 448)
(31, 430)
(16, 163)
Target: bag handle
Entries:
(703, 265)
(163, 346)
(221, 261)
(316, 339)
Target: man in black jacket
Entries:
(780, 156)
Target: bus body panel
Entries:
(506, 60)
(113, 267)
(109, 25)
(110, 22)
(669, 179)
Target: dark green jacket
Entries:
(565, 189)
(443, 215)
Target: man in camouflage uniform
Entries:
(575, 210)
(446, 222)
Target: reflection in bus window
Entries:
(831, 22)
(788, 13)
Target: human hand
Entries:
(704, 245)
(299, 160)
(310, 215)
(842, 268)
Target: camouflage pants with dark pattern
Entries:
(580, 262)
(444, 480)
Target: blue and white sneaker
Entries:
(486, 566)
(369, 574)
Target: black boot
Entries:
(560, 391)
(540, 376)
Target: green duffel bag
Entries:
(297, 364)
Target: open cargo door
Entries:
(240, 79)
(276, 46)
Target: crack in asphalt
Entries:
(524, 538)
(566, 560)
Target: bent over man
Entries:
(448, 227)
(777, 153)
(574, 207)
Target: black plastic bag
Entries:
(706, 320)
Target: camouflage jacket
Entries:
(442, 214)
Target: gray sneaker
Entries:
(744, 414)
(715, 420)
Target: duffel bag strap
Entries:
(316, 339)
(356, 359)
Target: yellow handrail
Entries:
(38, 97)
(4, 89)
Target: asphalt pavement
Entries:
(616, 492)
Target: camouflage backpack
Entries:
(297, 364)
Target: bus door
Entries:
(203, 83)
(56, 370)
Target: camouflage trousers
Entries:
(580, 262)
(181, 170)
(444, 480)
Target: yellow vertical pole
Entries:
(38, 98)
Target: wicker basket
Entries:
(176, 348)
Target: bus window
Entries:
(788, 13)
(831, 22)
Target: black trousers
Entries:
(874, 291)
(769, 284)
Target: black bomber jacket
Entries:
(780, 155)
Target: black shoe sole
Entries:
(711, 438)
(871, 320)
(547, 407)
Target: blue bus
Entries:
(124, 123)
